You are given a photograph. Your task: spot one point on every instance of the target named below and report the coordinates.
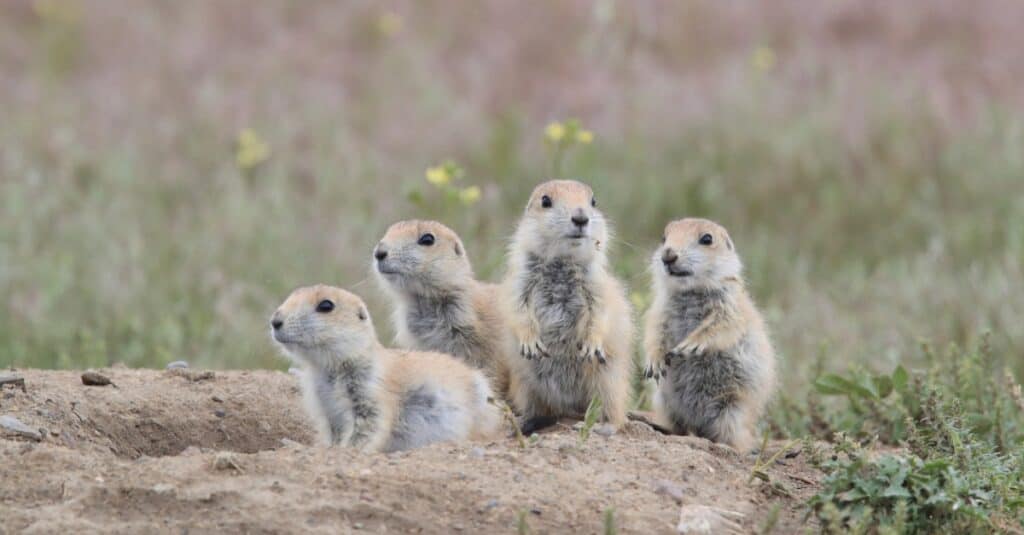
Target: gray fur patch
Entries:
(424, 418)
(558, 293)
(438, 322)
(700, 388)
(685, 310)
(346, 402)
(559, 387)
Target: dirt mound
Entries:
(161, 452)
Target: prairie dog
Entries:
(704, 339)
(363, 395)
(570, 317)
(439, 305)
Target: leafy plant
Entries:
(961, 462)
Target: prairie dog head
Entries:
(421, 257)
(695, 253)
(318, 325)
(562, 219)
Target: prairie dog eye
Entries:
(361, 314)
(663, 239)
(545, 201)
(706, 239)
(325, 306)
(593, 202)
(426, 239)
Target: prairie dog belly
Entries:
(562, 384)
(560, 296)
(700, 388)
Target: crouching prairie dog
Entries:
(363, 395)
(570, 317)
(705, 341)
(439, 305)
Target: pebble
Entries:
(177, 364)
(95, 379)
(15, 426)
(225, 460)
(605, 430)
(491, 504)
(670, 489)
(219, 413)
(477, 453)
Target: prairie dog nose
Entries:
(580, 219)
(276, 323)
(669, 257)
(380, 253)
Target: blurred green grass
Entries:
(870, 212)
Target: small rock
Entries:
(219, 413)
(14, 425)
(670, 489)
(191, 375)
(477, 453)
(178, 364)
(605, 430)
(162, 488)
(289, 443)
(491, 504)
(703, 519)
(535, 511)
(218, 399)
(95, 379)
(225, 460)
(17, 382)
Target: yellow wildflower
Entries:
(252, 150)
(469, 195)
(438, 176)
(585, 137)
(763, 59)
(555, 132)
(389, 24)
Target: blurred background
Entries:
(170, 170)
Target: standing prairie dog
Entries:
(705, 341)
(360, 394)
(439, 305)
(570, 317)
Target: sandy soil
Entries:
(173, 453)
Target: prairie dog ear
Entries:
(458, 248)
(728, 243)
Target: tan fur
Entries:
(333, 344)
(732, 328)
(442, 271)
(602, 332)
